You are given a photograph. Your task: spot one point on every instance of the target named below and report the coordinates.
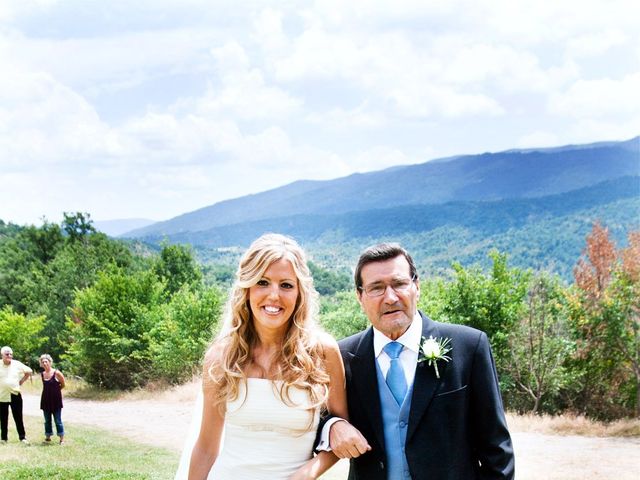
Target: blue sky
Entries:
(151, 108)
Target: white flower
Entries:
(432, 350)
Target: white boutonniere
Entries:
(433, 349)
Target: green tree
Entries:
(41, 268)
(177, 267)
(43, 242)
(75, 267)
(182, 330)
(77, 225)
(492, 303)
(328, 282)
(540, 343)
(23, 333)
(20, 274)
(109, 325)
(341, 315)
(219, 274)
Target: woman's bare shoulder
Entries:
(214, 354)
(326, 339)
(327, 344)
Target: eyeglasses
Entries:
(400, 285)
(8, 354)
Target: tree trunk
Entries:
(536, 405)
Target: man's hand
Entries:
(24, 378)
(346, 440)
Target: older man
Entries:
(424, 394)
(12, 375)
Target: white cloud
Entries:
(243, 92)
(380, 157)
(136, 103)
(360, 117)
(268, 32)
(11, 10)
(388, 68)
(538, 139)
(586, 130)
(321, 54)
(112, 63)
(468, 63)
(601, 97)
(44, 121)
(598, 43)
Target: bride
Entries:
(268, 374)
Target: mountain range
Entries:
(476, 200)
(117, 227)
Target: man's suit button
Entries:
(403, 424)
(381, 465)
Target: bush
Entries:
(23, 334)
(182, 330)
(341, 315)
(109, 325)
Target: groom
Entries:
(421, 423)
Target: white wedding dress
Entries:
(263, 439)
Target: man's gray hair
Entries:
(6, 349)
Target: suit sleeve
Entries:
(491, 439)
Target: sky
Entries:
(153, 108)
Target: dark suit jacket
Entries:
(457, 429)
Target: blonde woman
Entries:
(268, 374)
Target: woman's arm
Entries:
(337, 401)
(207, 446)
(336, 404)
(60, 378)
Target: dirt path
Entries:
(156, 422)
(164, 421)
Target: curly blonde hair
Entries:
(300, 361)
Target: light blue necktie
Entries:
(395, 376)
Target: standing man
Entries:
(429, 410)
(12, 375)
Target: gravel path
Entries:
(165, 422)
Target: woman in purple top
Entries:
(51, 400)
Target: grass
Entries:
(569, 424)
(88, 454)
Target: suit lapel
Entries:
(425, 382)
(364, 377)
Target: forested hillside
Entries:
(542, 233)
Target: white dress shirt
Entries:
(409, 355)
(409, 358)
